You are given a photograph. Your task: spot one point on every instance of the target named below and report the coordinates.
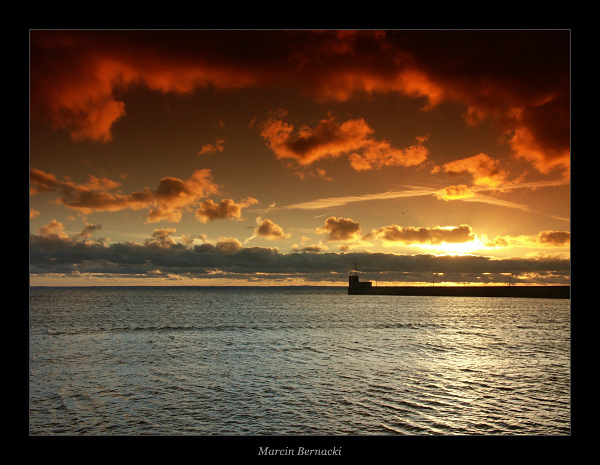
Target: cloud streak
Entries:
(449, 193)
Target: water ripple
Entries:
(192, 361)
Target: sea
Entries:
(252, 361)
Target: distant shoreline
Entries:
(159, 286)
(297, 287)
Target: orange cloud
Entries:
(519, 80)
(172, 196)
(53, 229)
(345, 84)
(77, 75)
(359, 163)
(543, 152)
(41, 182)
(209, 148)
(483, 168)
(226, 209)
(410, 235)
(328, 139)
(333, 139)
(454, 192)
(84, 198)
(100, 184)
(377, 154)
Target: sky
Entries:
(284, 157)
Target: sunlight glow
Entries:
(456, 248)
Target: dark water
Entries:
(193, 361)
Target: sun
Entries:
(456, 248)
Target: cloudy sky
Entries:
(279, 157)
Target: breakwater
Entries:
(547, 292)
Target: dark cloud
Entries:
(55, 253)
(88, 230)
(228, 245)
(340, 229)
(555, 238)
(270, 230)
(549, 239)
(162, 237)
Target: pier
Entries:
(357, 287)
